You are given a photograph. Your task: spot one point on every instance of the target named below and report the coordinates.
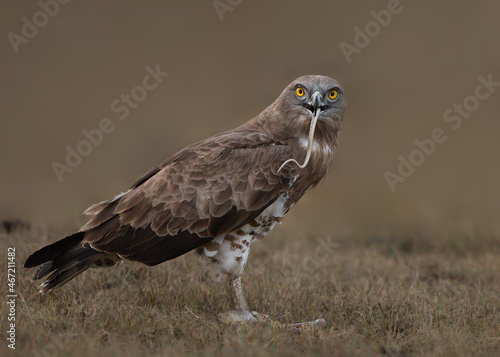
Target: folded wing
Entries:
(201, 193)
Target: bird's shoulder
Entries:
(243, 148)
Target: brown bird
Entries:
(219, 195)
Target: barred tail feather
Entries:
(66, 259)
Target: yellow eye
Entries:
(300, 92)
(333, 94)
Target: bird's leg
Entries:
(241, 301)
(239, 295)
(242, 313)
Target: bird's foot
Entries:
(237, 317)
(244, 317)
(262, 318)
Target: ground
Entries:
(414, 295)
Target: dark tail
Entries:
(65, 259)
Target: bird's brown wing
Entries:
(200, 194)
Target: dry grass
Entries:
(402, 296)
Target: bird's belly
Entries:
(228, 255)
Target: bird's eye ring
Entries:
(333, 94)
(300, 92)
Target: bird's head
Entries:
(307, 97)
(307, 94)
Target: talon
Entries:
(237, 317)
(261, 317)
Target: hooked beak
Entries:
(316, 104)
(316, 99)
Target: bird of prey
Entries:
(219, 195)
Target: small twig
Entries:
(198, 317)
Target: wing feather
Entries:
(201, 193)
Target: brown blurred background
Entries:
(222, 73)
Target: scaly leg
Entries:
(242, 313)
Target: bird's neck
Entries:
(295, 135)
